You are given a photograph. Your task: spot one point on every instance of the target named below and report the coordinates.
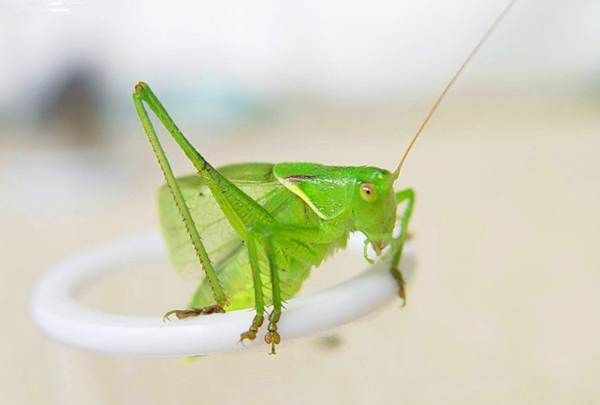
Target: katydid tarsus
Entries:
(257, 229)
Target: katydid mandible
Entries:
(257, 229)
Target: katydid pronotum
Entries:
(257, 229)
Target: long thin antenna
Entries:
(449, 85)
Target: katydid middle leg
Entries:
(259, 302)
(272, 337)
(262, 237)
(406, 197)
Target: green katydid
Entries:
(257, 229)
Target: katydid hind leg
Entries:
(139, 97)
(188, 313)
(247, 214)
(236, 205)
(407, 199)
(143, 92)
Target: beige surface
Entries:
(503, 309)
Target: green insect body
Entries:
(292, 199)
(257, 229)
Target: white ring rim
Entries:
(55, 310)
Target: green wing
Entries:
(219, 238)
(223, 245)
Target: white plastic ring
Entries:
(61, 317)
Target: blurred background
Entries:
(503, 306)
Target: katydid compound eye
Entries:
(367, 192)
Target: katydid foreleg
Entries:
(403, 197)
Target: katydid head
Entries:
(374, 205)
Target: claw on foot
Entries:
(401, 285)
(272, 338)
(250, 335)
(188, 313)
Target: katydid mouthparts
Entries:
(257, 229)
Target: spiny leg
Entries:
(407, 197)
(144, 94)
(272, 337)
(259, 303)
